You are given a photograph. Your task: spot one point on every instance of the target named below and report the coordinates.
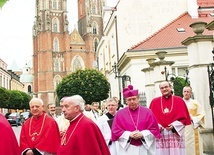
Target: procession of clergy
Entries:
(84, 129)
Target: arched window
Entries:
(54, 4)
(55, 25)
(56, 80)
(29, 89)
(96, 42)
(77, 63)
(56, 65)
(95, 28)
(94, 10)
(56, 45)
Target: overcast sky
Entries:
(16, 22)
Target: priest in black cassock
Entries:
(105, 121)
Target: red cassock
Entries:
(83, 137)
(8, 141)
(47, 137)
(176, 110)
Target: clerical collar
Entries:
(110, 116)
(134, 109)
(37, 117)
(167, 96)
(75, 118)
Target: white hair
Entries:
(76, 100)
(36, 100)
(111, 100)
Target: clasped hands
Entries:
(169, 127)
(62, 132)
(136, 134)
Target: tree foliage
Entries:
(14, 99)
(4, 97)
(179, 83)
(2, 2)
(26, 100)
(91, 84)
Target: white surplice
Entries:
(147, 148)
(171, 143)
(102, 123)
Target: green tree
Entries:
(91, 84)
(2, 2)
(26, 100)
(178, 84)
(4, 97)
(16, 100)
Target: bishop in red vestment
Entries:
(172, 115)
(8, 141)
(83, 136)
(40, 133)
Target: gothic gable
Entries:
(76, 38)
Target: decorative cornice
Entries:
(198, 66)
(147, 69)
(150, 85)
(197, 38)
(163, 62)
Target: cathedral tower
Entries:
(56, 53)
(90, 22)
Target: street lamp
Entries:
(125, 78)
(171, 76)
(115, 70)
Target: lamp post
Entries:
(173, 76)
(125, 78)
(210, 70)
(178, 82)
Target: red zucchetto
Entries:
(129, 91)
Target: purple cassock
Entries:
(140, 119)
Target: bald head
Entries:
(36, 107)
(36, 100)
(187, 92)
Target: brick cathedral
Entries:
(56, 52)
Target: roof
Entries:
(205, 3)
(169, 37)
(14, 66)
(26, 78)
